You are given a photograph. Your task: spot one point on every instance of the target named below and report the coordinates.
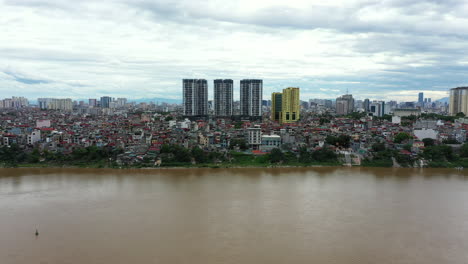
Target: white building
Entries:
(56, 104)
(270, 142)
(254, 137)
(42, 123)
(14, 102)
(423, 133)
(377, 108)
(34, 137)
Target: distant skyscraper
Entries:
(121, 102)
(44, 102)
(61, 104)
(290, 102)
(366, 105)
(276, 106)
(92, 102)
(377, 108)
(421, 98)
(195, 94)
(251, 92)
(223, 97)
(105, 101)
(458, 100)
(344, 104)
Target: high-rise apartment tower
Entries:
(251, 91)
(195, 96)
(223, 97)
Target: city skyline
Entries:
(143, 51)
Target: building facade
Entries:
(377, 108)
(344, 104)
(270, 142)
(251, 92)
(276, 106)
(61, 104)
(105, 101)
(92, 102)
(223, 97)
(406, 112)
(44, 102)
(291, 106)
(366, 105)
(458, 101)
(254, 137)
(14, 102)
(195, 97)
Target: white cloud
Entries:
(144, 48)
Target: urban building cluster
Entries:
(195, 98)
(14, 102)
(286, 106)
(140, 130)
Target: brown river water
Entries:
(242, 216)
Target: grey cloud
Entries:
(420, 17)
(156, 43)
(428, 17)
(25, 79)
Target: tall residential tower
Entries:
(276, 106)
(344, 104)
(291, 105)
(195, 94)
(458, 101)
(223, 97)
(251, 91)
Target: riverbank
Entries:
(186, 166)
(211, 166)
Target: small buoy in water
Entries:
(37, 233)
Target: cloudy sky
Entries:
(388, 49)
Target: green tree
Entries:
(439, 153)
(199, 155)
(464, 150)
(379, 146)
(324, 120)
(400, 137)
(450, 141)
(409, 118)
(407, 147)
(324, 155)
(34, 156)
(304, 155)
(241, 143)
(428, 142)
(276, 155)
(357, 115)
(341, 140)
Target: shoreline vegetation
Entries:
(174, 156)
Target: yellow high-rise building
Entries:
(276, 106)
(458, 101)
(290, 105)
